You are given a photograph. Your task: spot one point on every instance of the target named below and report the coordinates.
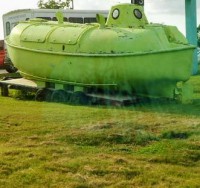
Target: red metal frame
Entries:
(2, 52)
(2, 57)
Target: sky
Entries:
(170, 12)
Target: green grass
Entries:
(58, 145)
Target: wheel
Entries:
(79, 97)
(10, 68)
(59, 96)
(43, 95)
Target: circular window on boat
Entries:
(115, 13)
(140, 2)
(137, 13)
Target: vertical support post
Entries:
(4, 90)
(191, 28)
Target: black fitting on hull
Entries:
(138, 2)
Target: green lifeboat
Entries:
(123, 54)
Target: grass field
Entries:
(151, 144)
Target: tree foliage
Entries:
(54, 4)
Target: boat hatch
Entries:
(67, 35)
(31, 34)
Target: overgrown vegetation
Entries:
(58, 145)
(54, 4)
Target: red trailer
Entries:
(5, 63)
(2, 53)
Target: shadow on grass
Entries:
(164, 106)
(104, 138)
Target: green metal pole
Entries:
(191, 28)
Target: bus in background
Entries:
(11, 19)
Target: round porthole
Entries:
(115, 13)
(137, 13)
(140, 2)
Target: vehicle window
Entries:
(55, 19)
(8, 28)
(76, 19)
(46, 18)
(90, 20)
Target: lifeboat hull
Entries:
(123, 55)
(143, 73)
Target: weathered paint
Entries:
(191, 28)
(127, 53)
